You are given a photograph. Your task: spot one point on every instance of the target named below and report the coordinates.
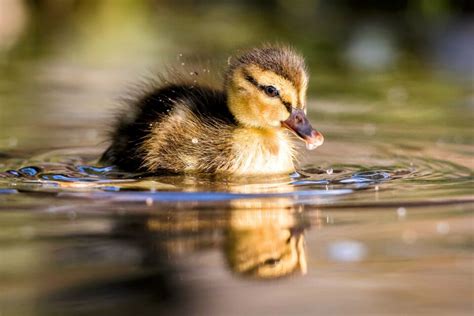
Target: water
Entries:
(368, 223)
(378, 220)
(376, 229)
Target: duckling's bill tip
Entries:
(314, 141)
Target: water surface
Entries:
(363, 225)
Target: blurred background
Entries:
(406, 64)
(389, 196)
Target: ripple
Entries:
(65, 178)
(29, 171)
(71, 173)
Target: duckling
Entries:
(239, 129)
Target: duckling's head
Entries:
(266, 87)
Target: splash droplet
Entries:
(401, 212)
(347, 251)
(442, 228)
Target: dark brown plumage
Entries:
(131, 131)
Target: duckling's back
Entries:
(173, 128)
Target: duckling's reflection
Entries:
(256, 243)
(265, 243)
(260, 243)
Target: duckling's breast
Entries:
(261, 151)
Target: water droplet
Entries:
(401, 212)
(347, 251)
(442, 228)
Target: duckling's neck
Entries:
(262, 151)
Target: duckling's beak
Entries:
(300, 125)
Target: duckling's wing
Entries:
(134, 128)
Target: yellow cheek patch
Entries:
(275, 113)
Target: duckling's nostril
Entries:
(298, 119)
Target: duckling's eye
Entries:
(271, 261)
(271, 91)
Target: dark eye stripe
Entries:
(287, 105)
(252, 80)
